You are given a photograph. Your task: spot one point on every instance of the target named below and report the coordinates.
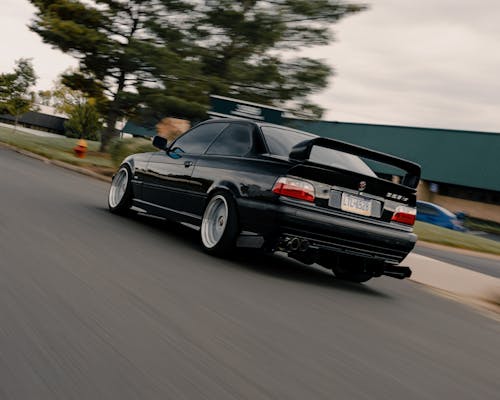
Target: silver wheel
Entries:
(214, 221)
(118, 187)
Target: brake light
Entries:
(404, 215)
(295, 188)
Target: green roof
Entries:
(465, 158)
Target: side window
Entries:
(236, 140)
(425, 209)
(199, 138)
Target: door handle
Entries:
(188, 164)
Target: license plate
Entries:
(356, 204)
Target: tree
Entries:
(83, 122)
(15, 95)
(117, 43)
(153, 58)
(246, 48)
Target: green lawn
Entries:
(60, 148)
(447, 237)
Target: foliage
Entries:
(157, 58)
(83, 122)
(64, 99)
(15, 95)
(121, 148)
(84, 118)
(117, 43)
(246, 48)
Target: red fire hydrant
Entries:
(81, 148)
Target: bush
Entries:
(83, 122)
(121, 148)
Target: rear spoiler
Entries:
(302, 152)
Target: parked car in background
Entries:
(437, 215)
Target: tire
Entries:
(120, 192)
(219, 227)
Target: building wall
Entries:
(476, 209)
(490, 212)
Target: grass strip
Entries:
(461, 240)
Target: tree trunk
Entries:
(113, 115)
(110, 131)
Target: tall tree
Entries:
(158, 57)
(248, 48)
(16, 96)
(118, 46)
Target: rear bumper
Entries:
(326, 230)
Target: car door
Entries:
(168, 185)
(228, 161)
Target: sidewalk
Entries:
(462, 283)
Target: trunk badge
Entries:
(362, 186)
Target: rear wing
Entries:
(302, 152)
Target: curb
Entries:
(71, 167)
(457, 282)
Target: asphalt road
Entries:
(95, 306)
(485, 265)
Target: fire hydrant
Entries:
(81, 148)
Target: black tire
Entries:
(120, 203)
(219, 227)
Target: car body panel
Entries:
(177, 186)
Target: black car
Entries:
(253, 184)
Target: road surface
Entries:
(95, 306)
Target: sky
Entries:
(427, 63)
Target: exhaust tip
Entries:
(294, 244)
(304, 245)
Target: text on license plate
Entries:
(356, 204)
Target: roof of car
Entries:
(259, 124)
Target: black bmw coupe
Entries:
(252, 184)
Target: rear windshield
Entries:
(281, 141)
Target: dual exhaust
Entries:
(295, 244)
(302, 250)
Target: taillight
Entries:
(295, 188)
(404, 215)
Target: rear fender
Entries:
(224, 186)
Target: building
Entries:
(46, 119)
(460, 169)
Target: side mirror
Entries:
(160, 142)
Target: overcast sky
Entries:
(429, 63)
